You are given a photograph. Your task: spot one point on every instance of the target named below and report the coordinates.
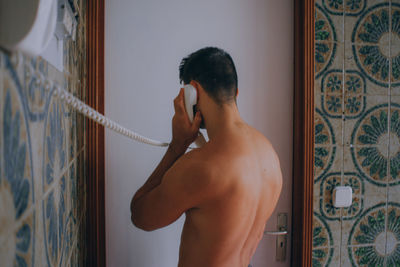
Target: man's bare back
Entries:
(228, 188)
(244, 171)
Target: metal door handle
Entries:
(275, 232)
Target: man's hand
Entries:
(183, 132)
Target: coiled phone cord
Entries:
(89, 112)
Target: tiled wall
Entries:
(42, 162)
(357, 132)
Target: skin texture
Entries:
(227, 189)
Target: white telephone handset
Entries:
(190, 102)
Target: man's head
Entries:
(214, 70)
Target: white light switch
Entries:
(342, 196)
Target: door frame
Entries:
(303, 135)
(95, 153)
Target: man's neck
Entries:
(221, 118)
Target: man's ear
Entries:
(237, 92)
(197, 86)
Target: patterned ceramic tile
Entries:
(376, 244)
(17, 248)
(395, 44)
(72, 190)
(16, 179)
(369, 201)
(72, 131)
(325, 41)
(357, 185)
(81, 128)
(394, 193)
(371, 51)
(55, 145)
(38, 195)
(326, 208)
(359, 132)
(394, 50)
(16, 147)
(352, 99)
(347, 7)
(325, 146)
(334, 8)
(342, 94)
(394, 139)
(81, 185)
(361, 7)
(322, 242)
(368, 226)
(316, 197)
(356, 78)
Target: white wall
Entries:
(145, 41)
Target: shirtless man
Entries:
(228, 188)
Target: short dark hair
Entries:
(214, 69)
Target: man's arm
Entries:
(155, 178)
(183, 134)
(182, 187)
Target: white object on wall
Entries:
(65, 28)
(342, 196)
(27, 26)
(66, 21)
(54, 53)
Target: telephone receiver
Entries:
(190, 103)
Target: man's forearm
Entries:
(173, 153)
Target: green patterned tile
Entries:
(370, 125)
(376, 244)
(395, 43)
(316, 195)
(327, 160)
(394, 193)
(348, 128)
(335, 261)
(324, 253)
(358, 78)
(394, 140)
(326, 46)
(395, 48)
(368, 203)
(322, 242)
(375, 188)
(368, 228)
(326, 148)
(371, 163)
(334, 9)
(326, 208)
(370, 39)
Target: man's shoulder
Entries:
(192, 163)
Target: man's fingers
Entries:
(196, 121)
(178, 102)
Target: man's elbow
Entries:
(139, 222)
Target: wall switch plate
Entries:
(342, 196)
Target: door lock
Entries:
(281, 236)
